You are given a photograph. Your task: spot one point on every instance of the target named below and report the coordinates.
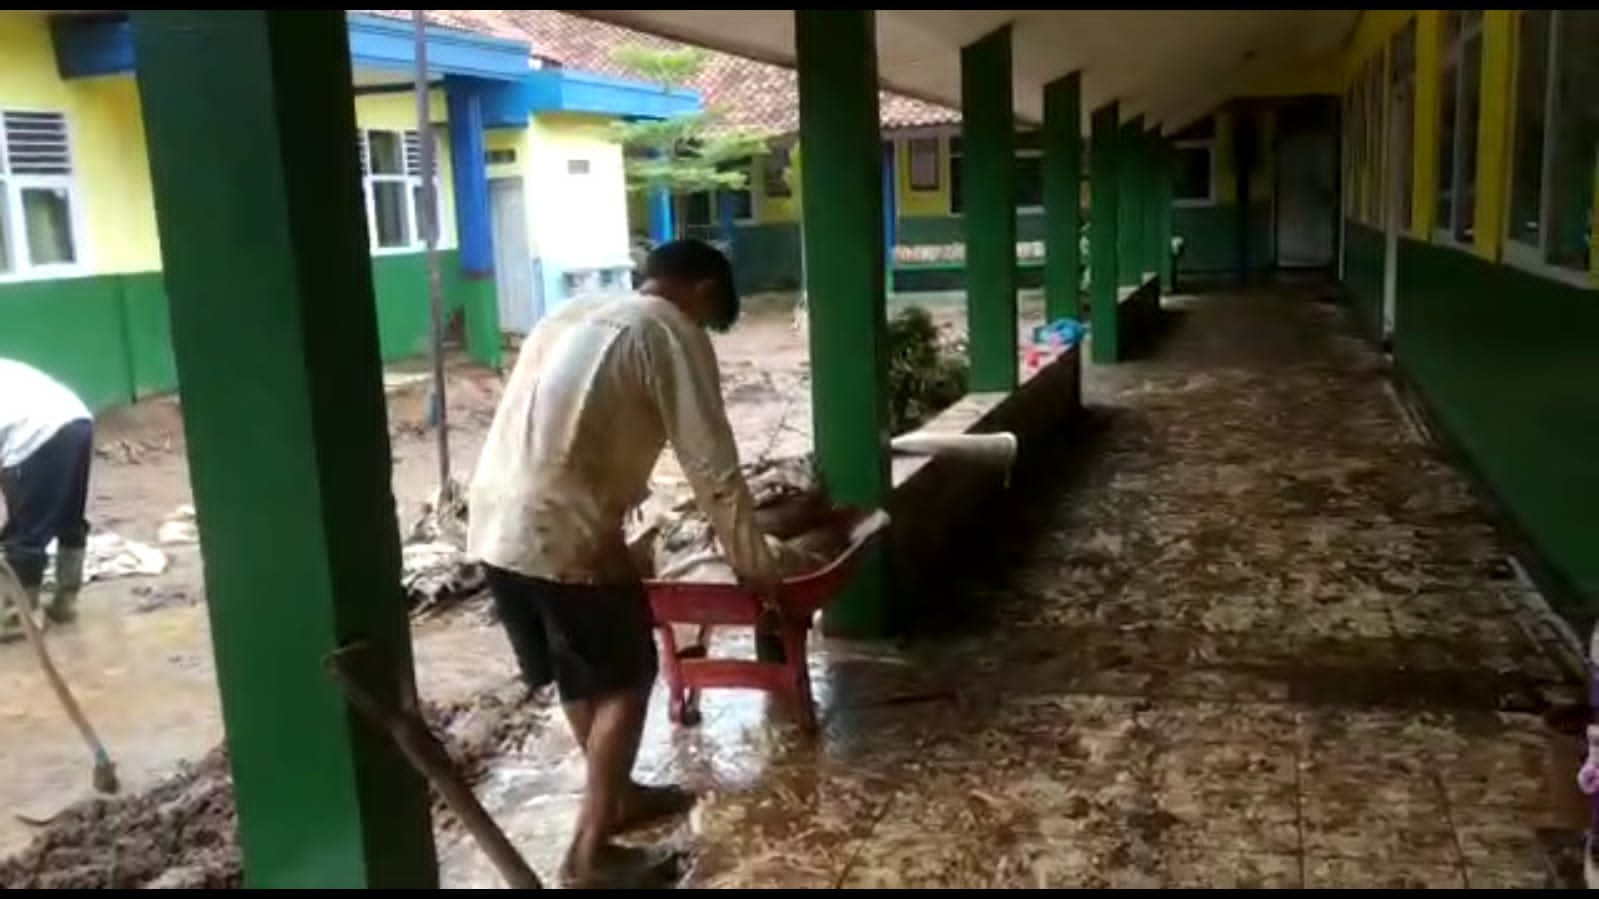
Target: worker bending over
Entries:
(46, 445)
(600, 387)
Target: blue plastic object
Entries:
(1061, 332)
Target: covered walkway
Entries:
(1268, 635)
(1253, 641)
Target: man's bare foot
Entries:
(643, 805)
(622, 868)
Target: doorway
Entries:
(520, 298)
(1307, 186)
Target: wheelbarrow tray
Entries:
(708, 605)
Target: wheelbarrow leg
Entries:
(683, 702)
(798, 670)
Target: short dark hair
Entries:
(696, 260)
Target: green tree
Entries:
(688, 153)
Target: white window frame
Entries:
(1453, 60)
(11, 188)
(412, 181)
(1534, 258)
(1208, 144)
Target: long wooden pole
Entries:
(430, 237)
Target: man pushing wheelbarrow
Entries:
(600, 387)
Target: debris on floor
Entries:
(434, 570)
(673, 540)
(108, 556)
(180, 833)
(179, 528)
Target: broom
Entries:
(105, 773)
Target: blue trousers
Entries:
(45, 500)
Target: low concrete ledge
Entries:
(1138, 316)
(935, 501)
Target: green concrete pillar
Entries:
(1104, 235)
(1063, 164)
(274, 328)
(481, 304)
(1130, 251)
(988, 139)
(1166, 181)
(842, 195)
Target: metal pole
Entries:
(430, 237)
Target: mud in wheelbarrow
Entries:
(728, 605)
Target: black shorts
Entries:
(590, 641)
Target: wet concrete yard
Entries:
(1252, 633)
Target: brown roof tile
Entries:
(749, 94)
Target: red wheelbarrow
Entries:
(708, 605)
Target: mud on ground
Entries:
(181, 833)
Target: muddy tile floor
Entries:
(1253, 632)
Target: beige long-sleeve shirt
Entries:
(599, 389)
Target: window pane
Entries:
(1576, 140)
(1029, 181)
(1532, 81)
(1375, 150)
(5, 230)
(742, 203)
(386, 151)
(924, 163)
(47, 221)
(1402, 61)
(419, 213)
(389, 203)
(1446, 147)
(1193, 173)
(1470, 89)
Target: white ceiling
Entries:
(1171, 66)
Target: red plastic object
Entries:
(709, 605)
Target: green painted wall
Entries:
(401, 285)
(108, 337)
(767, 256)
(1363, 274)
(72, 328)
(1506, 360)
(149, 332)
(947, 228)
(1210, 238)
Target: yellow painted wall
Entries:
(110, 166)
(1493, 133)
(578, 221)
(106, 135)
(922, 203)
(513, 139)
(912, 203)
(765, 207)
